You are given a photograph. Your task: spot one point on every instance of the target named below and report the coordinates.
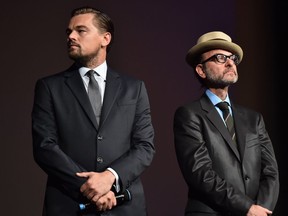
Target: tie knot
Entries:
(223, 105)
(90, 73)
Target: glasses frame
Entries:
(233, 57)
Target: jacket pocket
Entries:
(126, 102)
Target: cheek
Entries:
(90, 46)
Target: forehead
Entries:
(82, 20)
(217, 51)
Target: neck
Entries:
(220, 92)
(92, 61)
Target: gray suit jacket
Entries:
(224, 179)
(66, 139)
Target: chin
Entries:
(74, 56)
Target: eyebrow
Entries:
(77, 28)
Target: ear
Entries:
(200, 71)
(106, 39)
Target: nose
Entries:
(70, 35)
(230, 61)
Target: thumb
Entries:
(83, 174)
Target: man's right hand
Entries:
(257, 210)
(97, 184)
(106, 202)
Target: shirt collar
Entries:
(215, 99)
(101, 70)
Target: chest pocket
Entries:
(126, 102)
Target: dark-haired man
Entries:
(92, 129)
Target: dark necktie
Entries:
(224, 107)
(94, 94)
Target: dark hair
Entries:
(102, 20)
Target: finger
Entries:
(105, 206)
(83, 174)
(92, 196)
(108, 201)
(87, 191)
(111, 203)
(99, 203)
(84, 189)
(95, 198)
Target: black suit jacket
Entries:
(224, 179)
(66, 138)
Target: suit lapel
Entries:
(112, 89)
(240, 129)
(216, 120)
(75, 83)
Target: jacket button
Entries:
(246, 178)
(99, 138)
(99, 159)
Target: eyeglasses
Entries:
(221, 58)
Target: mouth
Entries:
(72, 45)
(230, 72)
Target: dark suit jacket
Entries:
(222, 179)
(66, 139)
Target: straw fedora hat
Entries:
(210, 41)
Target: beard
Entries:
(78, 56)
(75, 54)
(220, 81)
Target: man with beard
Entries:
(230, 168)
(93, 148)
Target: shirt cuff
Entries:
(117, 186)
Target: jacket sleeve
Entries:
(47, 153)
(141, 152)
(269, 182)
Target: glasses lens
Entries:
(235, 58)
(221, 58)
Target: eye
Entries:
(235, 58)
(81, 30)
(221, 58)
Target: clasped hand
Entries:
(97, 189)
(257, 210)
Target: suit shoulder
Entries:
(189, 109)
(130, 79)
(245, 109)
(53, 76)
(71, 71)
(247, 113)
(123, 75)
(126, 78)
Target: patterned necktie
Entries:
(94, 94)
(223, 106)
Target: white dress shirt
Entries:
(100, 77)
